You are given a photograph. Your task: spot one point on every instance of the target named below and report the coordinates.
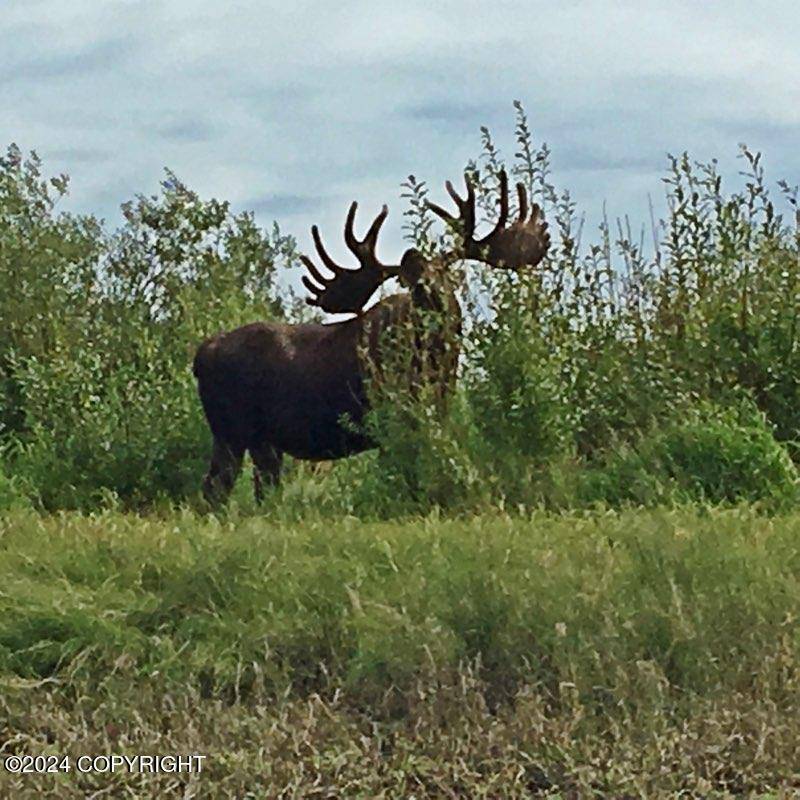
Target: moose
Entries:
(272, 388)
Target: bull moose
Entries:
(272, 388)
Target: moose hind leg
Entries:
(226, 463)
(267, 468)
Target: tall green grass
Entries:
(370, 606)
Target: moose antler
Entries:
(349, 289)
(524, 242)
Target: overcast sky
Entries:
(294, 109)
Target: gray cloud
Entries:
(187, 131)
(459, 115)
(758, 130)
(75, 155)
(88, 60)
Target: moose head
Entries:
(273, 388)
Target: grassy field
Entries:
(634, 654)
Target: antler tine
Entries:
(524, 242)
(466, 208)
(349, 236)
(522, 195)
(312, 268)
(323, 253)
(503, 217)
(454, 194)
(375, 228)
(364, 249)
(315, 290)
(441, 212)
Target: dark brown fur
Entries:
(272, 388)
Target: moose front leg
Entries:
(267, 468)
(226, 463)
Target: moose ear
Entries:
(412, 265)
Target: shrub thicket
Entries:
(605, 374)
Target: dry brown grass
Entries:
(450, 741)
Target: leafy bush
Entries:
(99, 397)
(615, 341)
(714, 455)
(424, 460)
(13, 494)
